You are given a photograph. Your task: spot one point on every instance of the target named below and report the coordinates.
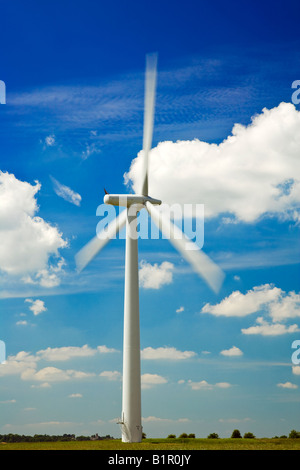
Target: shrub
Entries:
(183, 435)
(236, 434)
(213, 435)
(171, 436)
(294, 434)
(249, 435)
(191, 436)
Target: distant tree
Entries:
(171, 436)
(249, 435)
(144, 435)
(183, 435)
(191, 436)
(294, 434)
(213, 435)
(236, 434)
(283, 437)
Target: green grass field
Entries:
(161, 444)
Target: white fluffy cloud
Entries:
(111, 375)
(18, 364)
(27, 242)
(234, 351)
(105, 350)
(168, 353)
(155, 276)
(25, 364)
(251, 173)
(150, 380)
(265, 328)
(37, 306)
(287, 307)
(53, 374)
(65, 353)
(287, 385)
(238, 304)
(204, 385)
(280, 305)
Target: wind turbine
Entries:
(202, 264)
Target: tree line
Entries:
(236, 434)
(47, 438)
(71, 437)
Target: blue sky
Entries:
(227, 135)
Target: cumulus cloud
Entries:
(155, 276)
(53, 374)
(25, 365)
(111, 375)
(26, 369)
(65, 192)
(253, 172)
(29, 246)
(234, 351)
(150, 380)
(168, 353)
(105, 350)
(269, 329)
(17, 365)
(66, 353)
(288, 306)
(287, 385)
(204, 385)
(238, 304)
(37, 306)
(280, 305)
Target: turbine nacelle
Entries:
(127, 200)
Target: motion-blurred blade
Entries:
(150, 85)
(201, 263)
(92, 248)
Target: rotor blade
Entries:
(92, 248)
(150, 86)
(201, 263)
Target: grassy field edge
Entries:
(160, 444)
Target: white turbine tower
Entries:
(202, 264)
